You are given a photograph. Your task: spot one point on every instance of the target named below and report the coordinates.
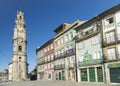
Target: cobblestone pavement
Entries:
(51, 83)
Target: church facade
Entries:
(19, 65)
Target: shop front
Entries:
(113, 72)
(60, 75)
(91, 74)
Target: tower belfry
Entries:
(19, 56)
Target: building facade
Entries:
(19, 56)
(10, 72)
(49, 58)
(89, 52)
(40, 62)
(45, 58)
(59, 60)
(4, 75)
(69, 47)
(111, 44)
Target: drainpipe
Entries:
(102, 45)
(76, 72)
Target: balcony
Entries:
(71, 66)
(41, 62)
(61, 55)
(111, 40)
(118, 38)
(49, 60)
(111, 58)
(85, 35)
(70, 52)
(59, 67)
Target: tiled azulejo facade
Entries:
(83, 51)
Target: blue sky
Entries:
(42, 17)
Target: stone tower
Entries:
(19, 56)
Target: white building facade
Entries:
(111, 42)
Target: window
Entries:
(51, 65)
(94, 27)
(81, 58)
(62, 51)
(67, 48)
(119, 52)
(20, 48)
(45, 59)
(119, 48)
(110, 37)
(48, 48)
(58, 52)
(68, 60)
(74, 33)
(19, 58)
(51, 56)
(45, 50)
(20, 17)
(97, 55)
(51, 46)
(67, 37)
(72, 60)
(48, 58)
(80, 33)
(55, 43)
(80, 45)
(48, 66)
(109, 21)
(95, 40)
(99, 72)
(111, 53)
(119, 35)
(61, 40)
(71, 46)
(84, 75)
(62, 61)
(71, 35)
(58, 42)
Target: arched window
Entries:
(20, 48)
(19, 58)
(20, 17)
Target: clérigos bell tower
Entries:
(19, 56)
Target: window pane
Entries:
(112, 34)
(111, 53)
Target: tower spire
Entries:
(20, 22)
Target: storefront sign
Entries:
(114, 65)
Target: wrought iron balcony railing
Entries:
(111, 57)
(111, 40)
(87, 34)
(58, 67)
(70, 52)
(61, 55)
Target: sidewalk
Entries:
(96, 84)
